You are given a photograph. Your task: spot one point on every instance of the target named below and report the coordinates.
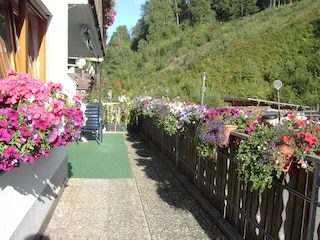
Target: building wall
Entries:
(29, 193)
(57, 45)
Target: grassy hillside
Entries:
(243, 58)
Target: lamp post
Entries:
(204, 74)
(277, 84)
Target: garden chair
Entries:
(93, 121)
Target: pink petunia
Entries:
(12, 114)
(41, 124)
(3, 124)
(316, 129)
(11, 152)
(5, 136)
(25, 132)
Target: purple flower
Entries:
(53, 135)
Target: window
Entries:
(22, 37)
(4, 47)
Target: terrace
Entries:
(160, 162)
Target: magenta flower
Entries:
(25, 132)
(34, 118)
(3, 124)
(5, 136)
(42, 124)
(11, 152)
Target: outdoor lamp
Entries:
(277, 84)
(204, 74)
(81, 62)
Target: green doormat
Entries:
(110, 160)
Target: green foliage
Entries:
(242, 57)
(256, 165)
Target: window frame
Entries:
(26, 41)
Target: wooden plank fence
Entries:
(289, 210)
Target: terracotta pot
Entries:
(287, 156)
(229, 129)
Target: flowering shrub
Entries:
(34, 117)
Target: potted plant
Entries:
(302, 134)
(257, 156)
(266, 153)
(35, 117)
(216, 125)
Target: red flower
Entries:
(118, 84)
(300, 134)
(316, 129)
(302, 123)
(310, 138)
(292, 116)
(308, 148)
(287, 139)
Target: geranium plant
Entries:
(34, 117)
(302, 134)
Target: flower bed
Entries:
(35, 117)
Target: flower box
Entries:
(34, 118)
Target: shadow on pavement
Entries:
(169, 188)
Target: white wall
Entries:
(57, 45)
(27, 193)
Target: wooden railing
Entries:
(289, 210)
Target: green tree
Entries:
(200, 12)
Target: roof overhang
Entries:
(86, 34)
(260, 102)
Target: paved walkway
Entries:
(152, 205)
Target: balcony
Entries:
(290, 210)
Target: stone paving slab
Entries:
(151, 206)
